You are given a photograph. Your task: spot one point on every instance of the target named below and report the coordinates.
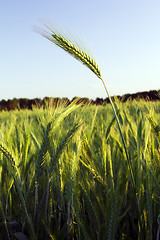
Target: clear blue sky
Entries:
(123, 36)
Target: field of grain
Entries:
(64, 172)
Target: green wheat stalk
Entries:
(12, 168)
(79, 53)
(74, 49)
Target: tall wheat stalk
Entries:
(78, 52)
(74, 49)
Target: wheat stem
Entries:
(77, 52)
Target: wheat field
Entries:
(64, 172)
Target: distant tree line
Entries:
(25, 103)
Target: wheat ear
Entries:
(74, 49)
